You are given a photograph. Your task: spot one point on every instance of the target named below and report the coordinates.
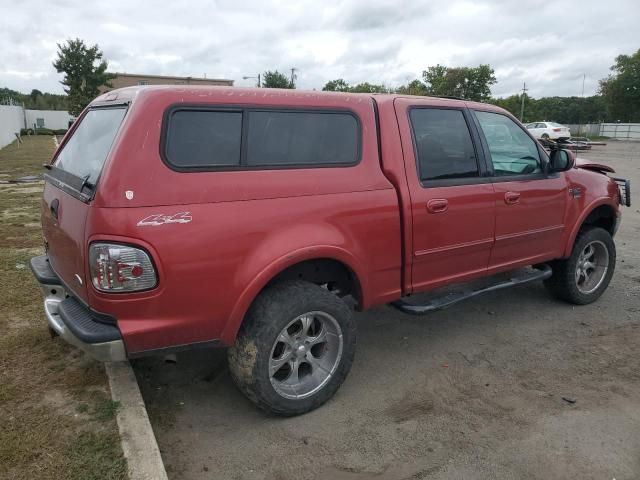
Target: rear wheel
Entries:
(585, 275)
(294, 349)
(545, 136)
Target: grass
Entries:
(57, 419)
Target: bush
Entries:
(26, 131)
(44, 131)
(60, 131)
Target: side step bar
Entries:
(518, 277)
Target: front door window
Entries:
(513, 152)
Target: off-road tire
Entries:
(562, 284)
(272, 311)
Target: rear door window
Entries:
(84, 154)
(443, 143)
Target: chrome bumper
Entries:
(112, 351)
(54, 294)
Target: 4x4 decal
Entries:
(161, 219)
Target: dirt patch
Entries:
(16, 212)
(28, 190)
(409, 408)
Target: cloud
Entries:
(548, 45)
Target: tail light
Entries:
(557, 129)
(120, 268)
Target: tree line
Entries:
(618, 97)
(36, 100)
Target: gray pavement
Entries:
(511, 385)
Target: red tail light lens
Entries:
(120, 268)
(557, 129)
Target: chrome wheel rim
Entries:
(305, 355)
(592, 266)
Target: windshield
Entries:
(85, 152)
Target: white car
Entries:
(548, 130)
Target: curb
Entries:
(138, 441)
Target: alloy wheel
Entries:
(305, 355)
(592, 266)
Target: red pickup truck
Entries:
(183, 217)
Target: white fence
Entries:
(11, 121)
(53, 119)
(623, 131)
(585, 130)
(13, 118)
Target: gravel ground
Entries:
(512, 384)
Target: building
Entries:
(132, 79)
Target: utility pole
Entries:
(293, 77)
(524, 92)
(584, 76)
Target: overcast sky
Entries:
(549, 44)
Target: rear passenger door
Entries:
(451, 197)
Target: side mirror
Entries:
(561, 160)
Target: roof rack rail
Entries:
(450, 97)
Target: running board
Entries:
(518, 277)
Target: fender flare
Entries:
(586, 212)
(262, 278)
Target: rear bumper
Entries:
(74, 322)
(557, 135)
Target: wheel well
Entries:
(335, 275)
(603, 216)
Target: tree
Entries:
(338, 85)
(275, 79)
(35, 93)
(435, 80)
(414, 87)
(621, 90)
(84, 73)
(470, 83)
(568, 110)
(366, 87)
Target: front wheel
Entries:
(585, 275)
(294, 349)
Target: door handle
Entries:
(511, 198)
(53, 207)
(437, 205)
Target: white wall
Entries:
(53, 119)
(585, 130)
(621, 130)
(11, 121)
